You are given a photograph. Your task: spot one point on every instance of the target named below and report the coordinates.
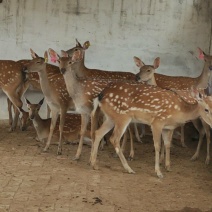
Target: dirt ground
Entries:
(34, 181)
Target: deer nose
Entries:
(137, 77)
(24, 69)
(32, 117)
(210, 67)
(62, 70)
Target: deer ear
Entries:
(41, 102)
(64, 53)
(156, 62)
(77, 56)
(86, 45)
(138, 62)
(78, 44)
(27, 101)
(33, 54)
(201, 54)
(46, 56)
(53, 55)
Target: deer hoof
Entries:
(131, 171)
(45, 150)
(130, 158)
(168, 169)
(194, 157)
(207, 161)
(75, 158)
(160, 175)
(184, 146)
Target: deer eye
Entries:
(38, 62)
(148, 70)
(70, 62)
(206, 110)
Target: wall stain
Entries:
(73, 8)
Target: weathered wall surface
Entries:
(117, 30)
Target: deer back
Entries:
(11, 75)
(148, 103)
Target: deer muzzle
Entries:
(63, 70)
(31, 117)
(210, 68)
(25, 69)
(137, 77)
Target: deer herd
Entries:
(98, 101)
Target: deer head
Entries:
(24, 119)
(37, 63)
(146, 71)
(66, 60)
(33, 108)
(78, 46)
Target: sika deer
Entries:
(80, 71)
(177, 82)
(54, 89)
(148, 75)
(11, 79)
(71, 128)
(162, 109)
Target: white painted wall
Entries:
(117, 30)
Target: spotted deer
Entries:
(71, 128)
(147, 74)
(82, 72)
(54, 89)
(32, 83)
(163, 110)
(11, 80)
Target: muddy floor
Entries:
(34, 181)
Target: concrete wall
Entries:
(117, 30)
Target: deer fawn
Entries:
(71, 128)
(147, 74)
(54, 89)
(162, 109)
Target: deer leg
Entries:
(48, 111)
(142, 131)
(136, 133)
(182, 136)
(61, 126)
(167, 137)
(118, 131)
(99, 134)
(15, 99)
(9, 107)
(156, 132)
(162, 152)
(84, 124)
(208, 137)
(131, 156)
(52, 126)
(124, 141)
(201, 131)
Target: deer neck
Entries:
(152, 81)
(80, 69)
(204, 77)
(44, 82)
(73, 83)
